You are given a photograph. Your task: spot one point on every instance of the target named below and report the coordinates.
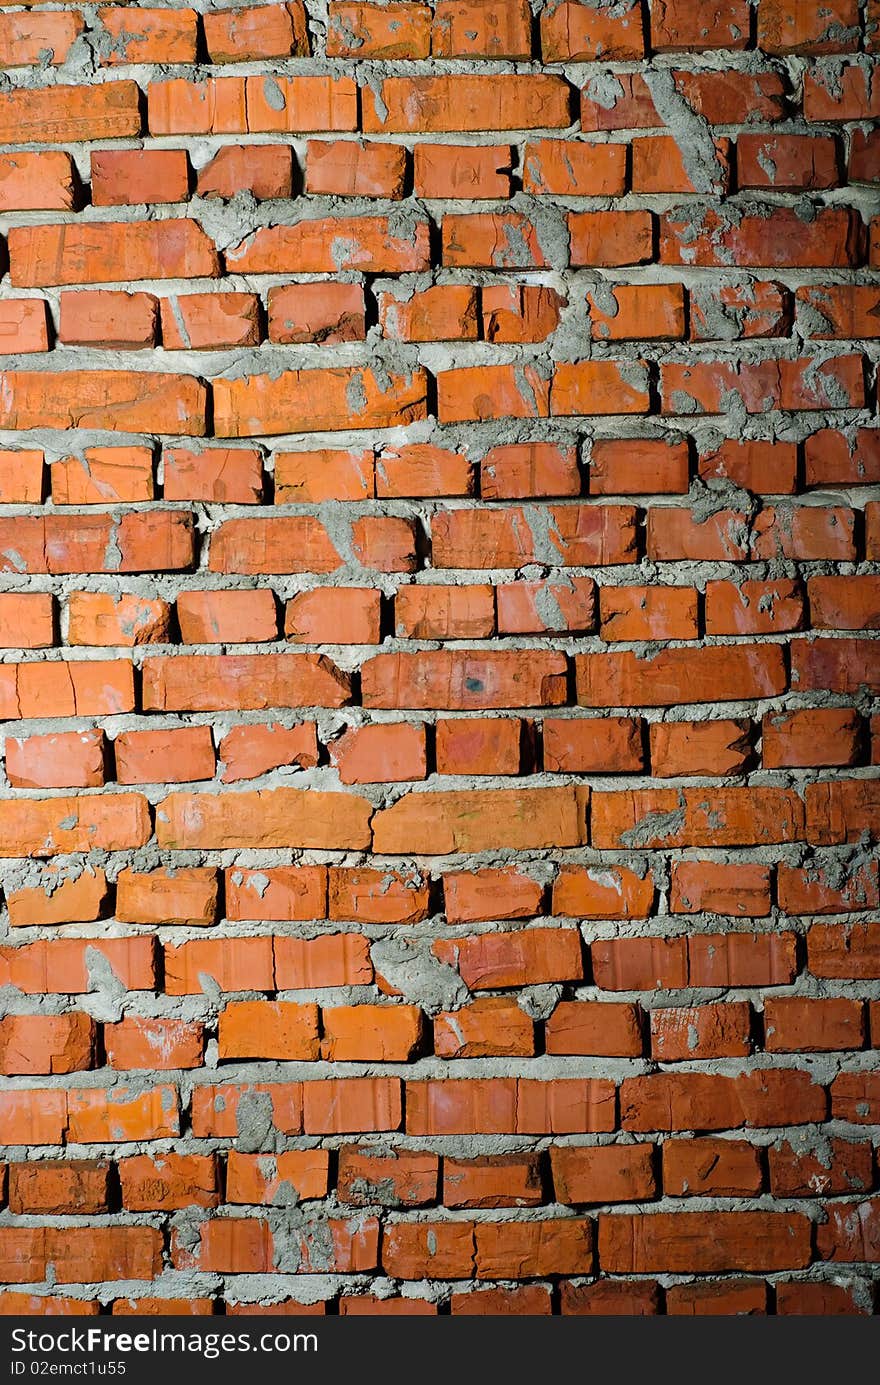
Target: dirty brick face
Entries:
(440, 549)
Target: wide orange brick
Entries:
(113, 400)
(671, 676)
(481, 820)
(247, 682)
(56, 826)
(703, 1242)
(63, 966)
(662, 817)
(58, 114)
(462, 102)
(710, 1101)
(822, 1025)
(329, 245)
(316, 401)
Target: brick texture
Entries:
(439, 610)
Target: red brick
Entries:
(701, 1031)
(593, 1027)
(320, 312)
(69, 760)
(265, 170)
(41, 181)
(699, 747)
(583, 34)
(484, 745)
(607, 745)
(209, 321)
(648, 613)
(483, 895)
(607, 1173)
(531, 956)
(127, 177)
(23, 326)
(711, 1168)
(252, 1178)
(179, 755)
(409, 1179)
(787, 28)
(271, 31)
(489, 1026)
(713, 887)
(34, 1044)
(708, 1101)
(787, 161)
(461, 170)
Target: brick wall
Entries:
(440, 571)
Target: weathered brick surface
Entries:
(440, 566)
